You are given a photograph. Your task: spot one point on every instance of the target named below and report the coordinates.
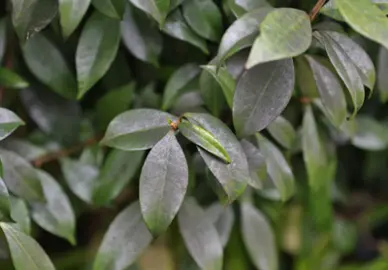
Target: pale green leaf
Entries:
(71, 13)
(282, 130)
(370, 134)
(240, 7)
(20, 214)
(10, 79)
(9, 121)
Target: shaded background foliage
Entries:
(224, 71)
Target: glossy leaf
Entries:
(370, 134)
(223, 220)
(110, 8)
(26, 253)
(20, 214)
(283, 132)
(262, 93)
(138, 129)
(382, 69)
(9, 121)
(284, 33)
(10, 79)
(158, 9)
(163, 183)
(51, 67)
(126, 238)
(234, 176)
(97, 48)
(71, 13)
(200, 236)
(204, 18)
(256, 162)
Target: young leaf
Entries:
(256, 162)
(56, 214)
(5, 206)
(126, 238)
(31, 16)
(10, 79)
(370, 134)
(9, 121)
(51, 67)
(26, 253)
(284, 33)
(71, 13)
(259, 239)
(138, 129)
(200, 236)
(158, 9)
(177, 82)
(262, 93)
(111, 8)
(234, 176)
(283, 132)
(118, 169)
(20, 214)
(204, 139)
(97, 48)
(382, 78)
(204, 18)
(163, 183)
(176, 27)
(141, 36)
(223, 220)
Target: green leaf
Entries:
(259, 238)
(26, 253)
(240, 7)
(113, 103)
(71, 13)
(177, 82)
(331, 92)
(138, 129)
(282, 130)
(345, 69)
(10, 79)
(370, 134)
(50, 68)
(20, 214)
(204, 18)
(96, 51)
(284, 33)
(119, 168)
(163, 184)
(223, 220)
(126, 238)
(330, 9)
(241, 34)
(262, 93)
(158, 9)
(5, 206)
(305, 81)
(204, 139)
(176, 27)
(382, 69)
(200, 236)
(23, 147)
(234, 176)
(278, 169)
(9, 121)
(56, 214)
(111, 8)
(31, 16)
(20, 177)
(256, 163)
(366, 18)
(3, 37)
(225, 80)
(141, 36)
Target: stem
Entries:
(316, 8)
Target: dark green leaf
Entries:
(283, 132)
(20, 214)
(382, 78)
(71, 13)
(158, 9)
(96, 51)
(370, 134)
(126, 238)
(141, 36)
(110, 8)
(262, 93)
(9, 121)
(138, 129)
(223, 220)
(149, 97)
(26, 253)
(256, 162)
(119, 168)
(31, 16)
(176, 27)
(259, 239)
(56, 214)
(10, 79)
(284, 33)
(50, 68)
(5, 207)
(204, 18)
(233, 176)
(177, 82)
(163, 183)
(200, 236)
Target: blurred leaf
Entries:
(240, 7)
(96, 50)
(188, 102)
(137, 129)
(223, 220)
(110, 8)
(25, 251)
(158, 9)
(282, 130)
(200, 236)
(262, 93)
(20, 214)
(71, 13)
(93, 155)
(51, 67)
(370, 134)
(331, 10)
(126, 238)
(284, 33)
(344, 236)
(5, 207)
(305, 80)
(9, 121)
(148, 97)
(256, 162)
(3, 37)
(382, 78)
(119, 73)
(163, 184)
(10, 79)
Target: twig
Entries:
(316, 8)
(38, 162)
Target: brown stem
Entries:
(316, 8)
(38, 162)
